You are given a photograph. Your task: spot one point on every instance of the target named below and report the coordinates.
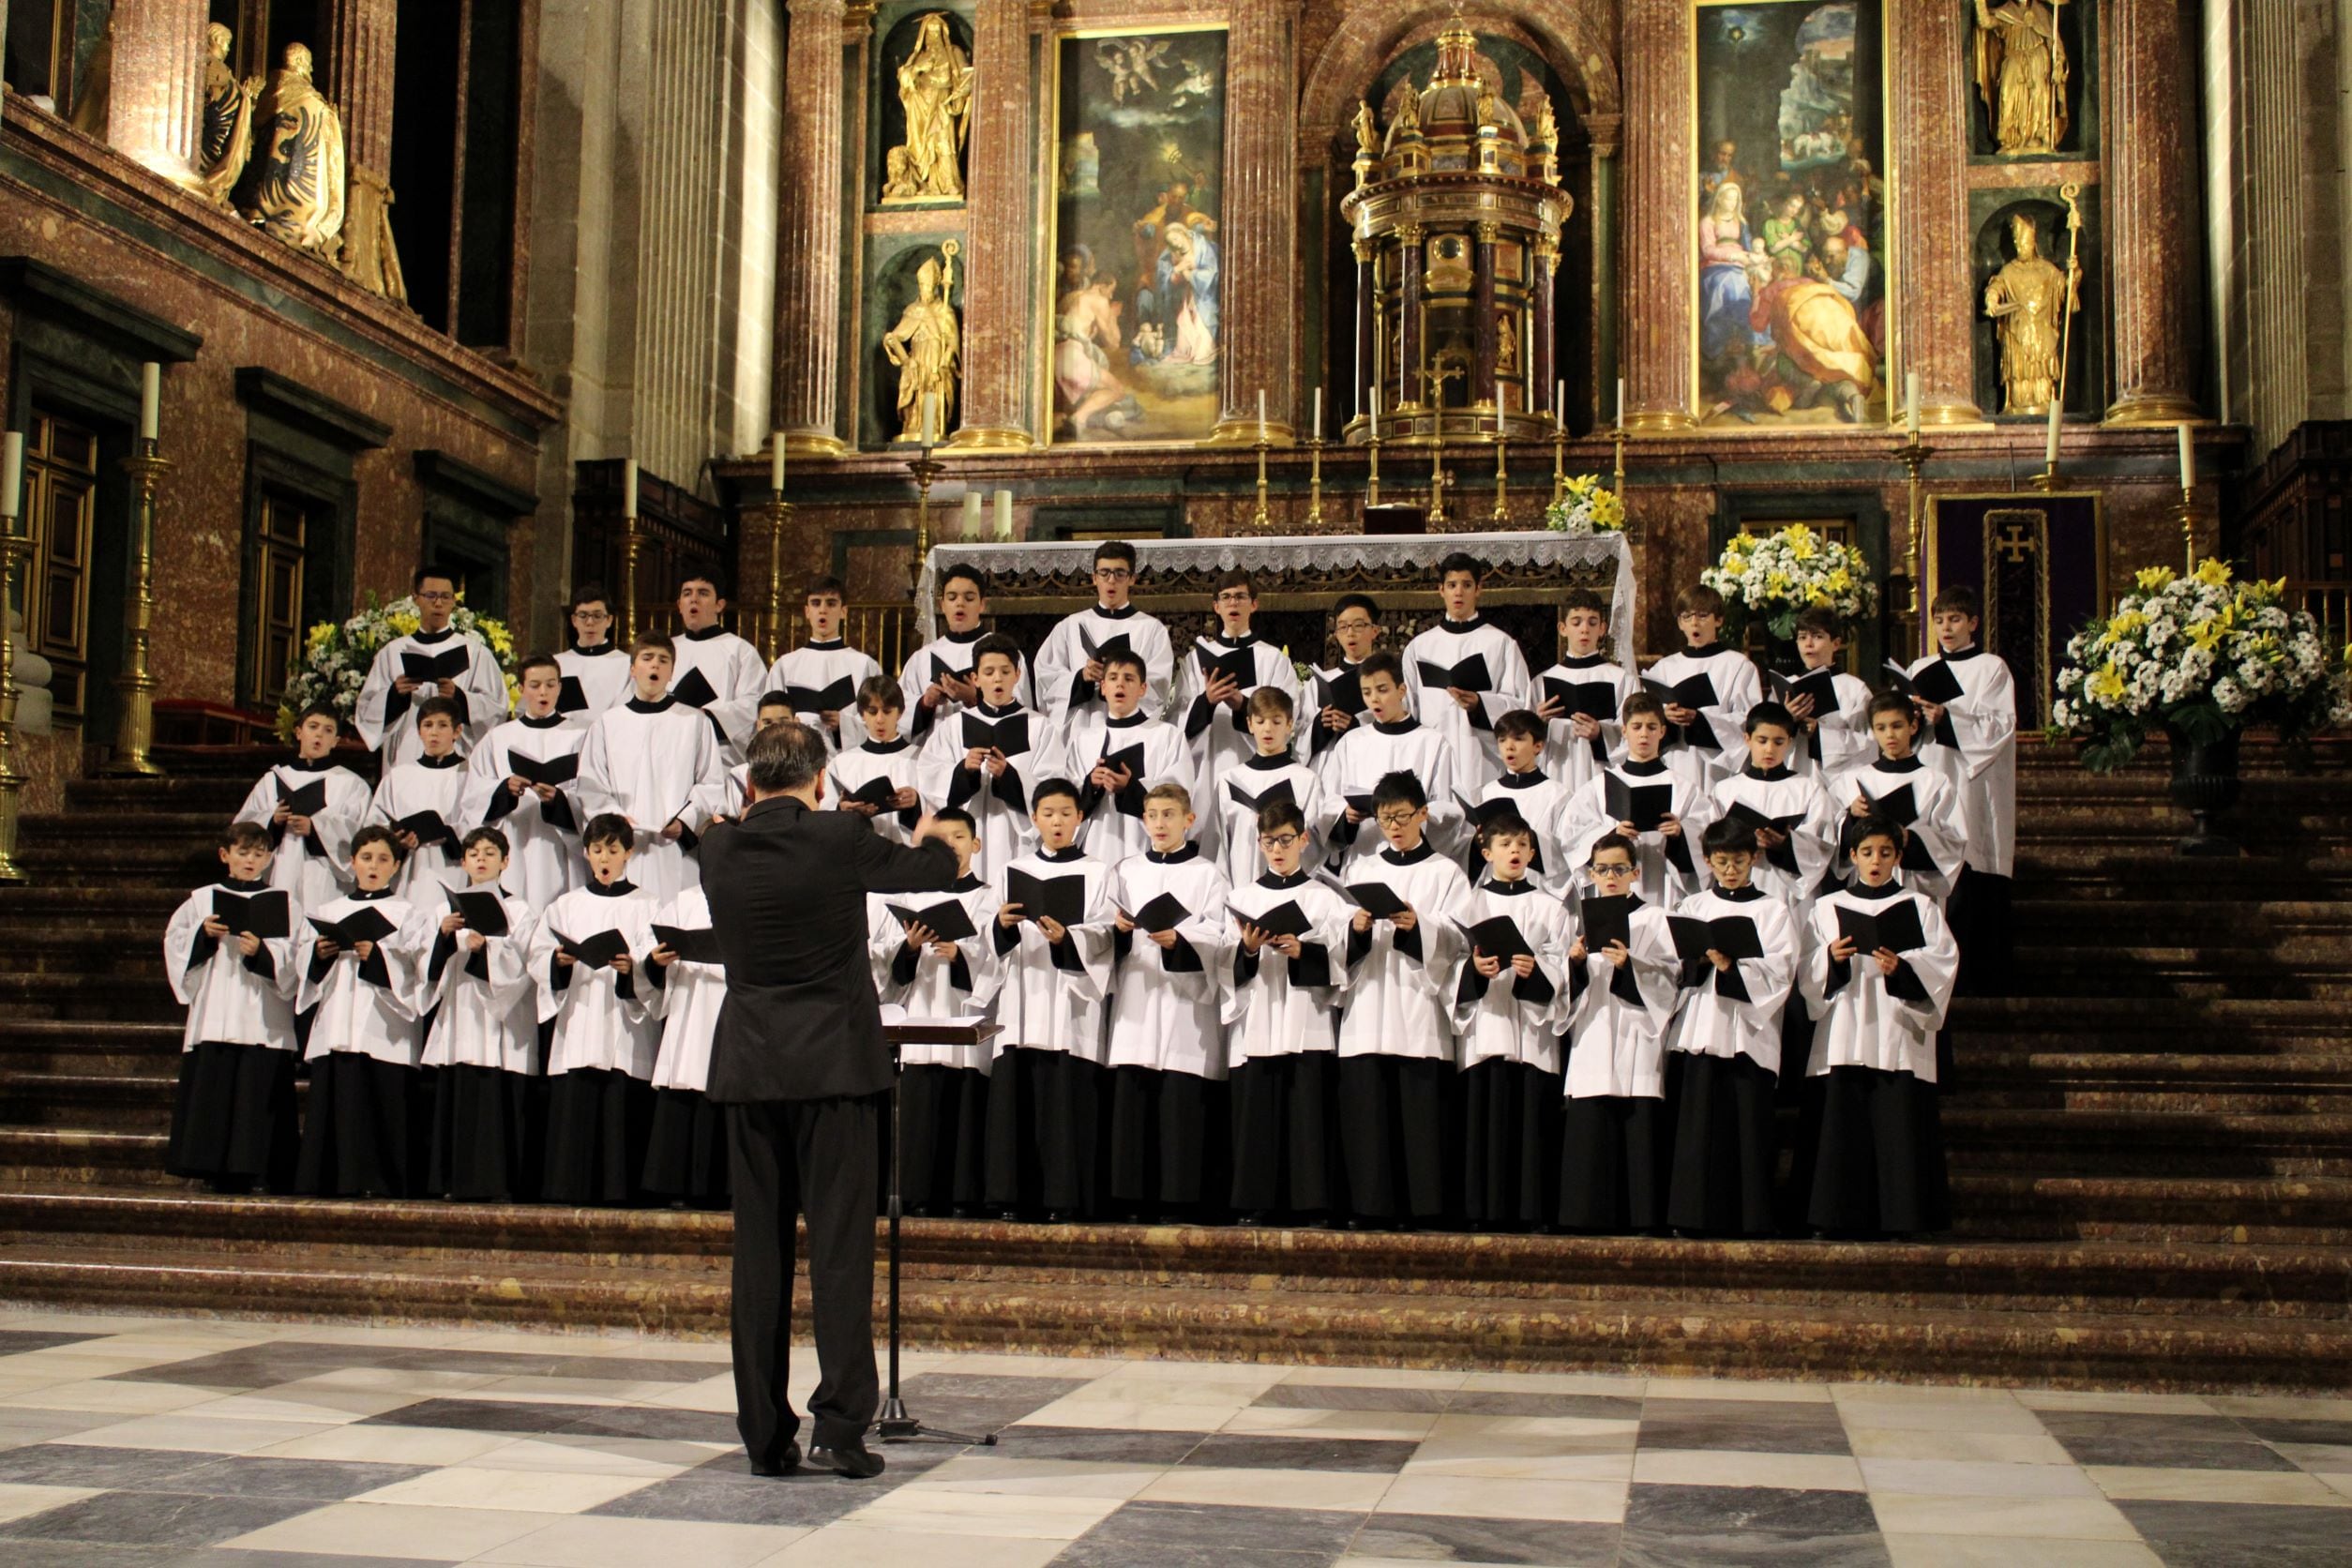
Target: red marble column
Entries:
(2152, 226)
(1483, 302)
(1259, 210)
(808, 234)
(1367, 326)
(155, 87)
(1655, 306)
(355, 72)
(1935, 290)
(999, 232)
(1410, 351)
(1544, 310)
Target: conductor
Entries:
(800, 1064)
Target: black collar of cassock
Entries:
(430, 638)
(1887, 889)
(549, 722)
(309, 764)
(987, 709)
(610, 890)
(594, 650)
(1739, 895)
(964, 639)
(1958, 654)
(1461, 629)
(1582, 662)
(1410, 857)
(1139, 716)
(1769, 776)
(1710, 651)
(966, 883)
(1649, 769)
(639, 704)
(1510, 889)
(1405, 726)
(446, 760)
(1110, 614)
(368, 895)
(824, 645)
(1277, 884)
(239, 884)
(1061, 857)
(1175, 856)
(1265, 763)
(1898, 764)
(1527, 780)
(705, 634)
(884, 748)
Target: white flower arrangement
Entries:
(1588, 507)
(1774, 578)
(2201, 655)
(335, 656)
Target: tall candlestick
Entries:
(1620, 402)
(775, 463)
(1910, 402)
(150, 401)
(2187, 460)
(1004, 516)
(1316, 427)
(971, 515)
(628, 489)
(11, 473)
(1261, 414)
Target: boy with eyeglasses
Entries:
(595, 667)
(434, 660)
(1069, 667)
(1338, 700)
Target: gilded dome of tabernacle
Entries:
(1445, 117)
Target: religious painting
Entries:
(2039, 563)
(1792, 198)
(1137, 333)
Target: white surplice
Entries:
(1400, 996)
(543, 854)
(1167, 1009)
(356, 1015)
(814, 667)
(317, 868)
(1982, 760)
(232, 1000)
(1354, 769)
(489, 1019)
(1617, 1044)
(653, 762)
(435, 784)
(1469, 732)
(1863, 1018)
(1507, 1017)
(386, 720)
(603, 1018)
(1273, 1007)
(1060, 671)
(1050, 1002)
(1710, 1023)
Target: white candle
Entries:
(1004, 514)
(1498, 401)
(150, 401)
(1910, 402)
(1620, 402)
(628, 489)
(930, 418)
(1560, 404)
(972, 514)
(1316, 428)
(2187, 460)
(775, 463)
(2049, 451)
(1261, 414)
(11, 473)
(1376, 414)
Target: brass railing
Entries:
(885, 630)
(2330, 605)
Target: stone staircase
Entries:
(2152, 1149)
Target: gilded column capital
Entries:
(1488, 231)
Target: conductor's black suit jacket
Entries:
(787, 888)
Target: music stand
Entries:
(894, 1424)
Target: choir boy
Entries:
(822, 675)
(1831, 706)
(725, 801)
(1053, 937)
(1169, 1113)
(419, 800)
(1508, 1001)
(595, 669)
(1126, 753)
(1579, 697)
(1524, 791)
(1795, 824)
(1338, 703)
(936, 970)
(1645, 801)
(1971, 705)
(1069, 669)
(1396, 1049)
(1738, 951)
(1464, 673)
(1704, 669)
(937, 678)
(713, 670)
(875, 776)
(984, 760)
(600, 1056)
(1899, 786)
(1274, 773)
(519, 780)
(1624, 978)
(366, 996)
(654, 762)
(434, 660)
(1390, 741)
(482, 1050)
(233, 1118)
(1217, 679)
(1289, 972)
(312, 857)
(685, 1151)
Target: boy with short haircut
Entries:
(984, 760)
(519, 779)
(1396, 1046)
(1830, 706)
(713, 670)
(1795, 824)
(600, 1056)
(595, 667)
(482, 1049)
(1972, 730)
(942, 1089)
(1642, 799)
(313, 855)
(1338, 703)
(1524, 791)
(1710, 729)
(654, 762)
(1069, 669)
(938, 680)
(1624, 978)
(1878, 980)
(1288, 974)
(434, 660)
(420, 800)
(1045, 1088)
(1217, 679)
(726, 800)
(1728, 1036)
(1168, 1114)
(1579, 698)
(1900, 788)
(233, 1118)
(366, 996)
(875, 778)
(1394, 741)
(824, 675)
(1508, 1001)
(1273, 774)
(686, 1144)
(1464, 673)
(1124, 753)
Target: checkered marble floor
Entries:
(134, 1442)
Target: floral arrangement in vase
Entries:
(1588, 507)
(337, 655)
(1772, 579)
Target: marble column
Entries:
(1410, 351)
(1544, 312)
(1934, 300)
(1367, 326)
(1483, 302)
(1259, 270)
(155, 86)
(999, 233)
(2151, 225)
(1656, 310)
(808, 234)
(355, 73)
(1600, 311)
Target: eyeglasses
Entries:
(592, 616)
(1397, 819)
(1112, 574)
(1278, 840)
(433, 597)
(1351, 625)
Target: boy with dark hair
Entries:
(1392, 741)
(1644, 801)
(365, 999)
(1338, 704)
(1830, 706)
(1217, 679)
(434, 660)
(876, 778)
(686, 1142)
(1970, 704)
(726, 800)
(1795, 824)
(595, 667)
(1273, 774)
(1069, 669)
(824, 675)
(1898, 786)
(1705, 668)
(1124, 752)
(712, 670)
(312, 806)
(983, 760)
(419, 800)
(520, 780)
(654, 763)
(1524, 791)
(937, 679)
(483, 1046)
(1510, 996)
(1464, 673)
(233, 1118)
(1578, 698)
(1624, 978)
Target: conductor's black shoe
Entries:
(855, 1461)
(789, 1462)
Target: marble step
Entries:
(96, 1045)
(2203, 1210)
(91, 1102)
(2146, 1144)
(130, 997)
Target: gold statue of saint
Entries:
(935, 88)
(293, 188)
(1367, 131)
(927, 345)
(2021, 74)
(228, 138)
(2028, 300)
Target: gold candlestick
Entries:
(1438, 479)
(1372, 478)
(1315, 486)
(1502, 515)
(778, 509)
(1559, 461)
(1259, 520)
(2188, 514)
(1913, 455)
(14, 548)
(1616, 484)
(136, 730)
(926, 473)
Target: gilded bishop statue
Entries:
(927, 345)
(2028, 300)
(2021, 74)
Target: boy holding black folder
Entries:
(418, 800)
(939, 681)
(1273, 775)
(1069, 668)
(1642, 799)
(1970, 702)
(600, 1056)
(1579, 699)
(1789, 812)
(1738, 952)
(875, 778)
(1524, 791)
(1878, 980)
(1217, 679)
(434, 660)
(1289, 972)
(824, 674)
(231, 952)
(595, 668)
(520, 780)
(483, 1046)
(654, 762)
(1900, 788)
(685, 1146)
(1707, 685)
(364, 986)
(1510, 994)
(713, 672)
(311, 807)
(1053, 938)
(1338, 700)
(1464, 673)
(1831, 707)
(1623, 979)
(1124, 752)
(984, 760)
(1392, 741)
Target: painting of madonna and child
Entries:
(1137, 336)
(1792, 280)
